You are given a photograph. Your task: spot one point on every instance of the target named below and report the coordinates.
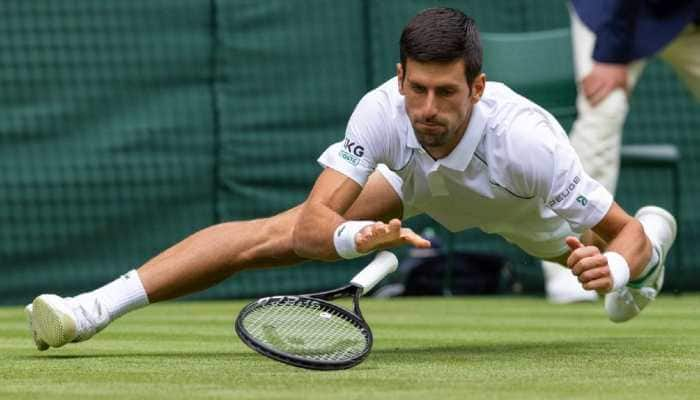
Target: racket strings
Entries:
(307, 330)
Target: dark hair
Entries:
(443, 35)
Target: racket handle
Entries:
(382, 265)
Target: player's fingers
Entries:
(380, 228)
(594, 274)
(579, 254)
(412, 238)
(390, 231)
(378, 236)
(573, 242)
(369, 232)
(593, 260)
(394, 226)
(395, 223)
(602, 285)
(364, 233)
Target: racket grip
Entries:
(383, 264)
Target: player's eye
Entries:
(445, 92)
(418, 88)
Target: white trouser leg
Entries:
(597, 132)
(596, 136)
(562, 286)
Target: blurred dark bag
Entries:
(426, 273)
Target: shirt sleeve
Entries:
(364, 145)
(573, 194)
(613, 41)
(551, 170)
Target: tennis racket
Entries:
(309, 331)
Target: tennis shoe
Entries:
(57, 321)
(627, 302)
(40, 344)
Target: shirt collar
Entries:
(411, 140)
(460, 157)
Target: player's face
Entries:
(438, 102)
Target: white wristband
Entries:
(344, 238)
(619, 269)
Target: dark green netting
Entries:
(288, 77)
(106, 145)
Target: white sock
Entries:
(119, 297)
(653, 262)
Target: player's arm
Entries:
(625, 237)
(321, 220)
(332, 195)
(552, 169)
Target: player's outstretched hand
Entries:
(382, 236)
(589, 265)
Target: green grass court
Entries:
(437, 348)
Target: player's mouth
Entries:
(430, 128)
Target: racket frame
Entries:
(323, 298)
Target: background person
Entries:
(612, 41)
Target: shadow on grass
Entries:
(544, 349)
(169, 355)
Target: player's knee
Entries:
(278, 232)
(270, 244)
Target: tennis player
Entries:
(438, 140)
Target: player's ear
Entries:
(400, 76)
(477, 89)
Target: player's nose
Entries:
(429, 109)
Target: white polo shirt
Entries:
(513, 173)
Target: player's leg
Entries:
(626, 303)
(217, 252)
(660, 228)
(198, 262)
(683, 53)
